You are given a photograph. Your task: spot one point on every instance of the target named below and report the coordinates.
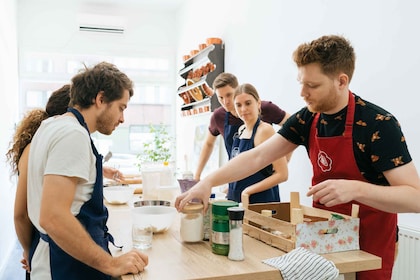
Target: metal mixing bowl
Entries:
(152, 203)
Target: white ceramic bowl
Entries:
(118, 194)
(159, 217)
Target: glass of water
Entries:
(142, 236)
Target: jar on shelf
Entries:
(191, 228)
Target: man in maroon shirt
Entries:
(225, 121)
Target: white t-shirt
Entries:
(61, 146)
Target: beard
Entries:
(325, 104)
(105, 123)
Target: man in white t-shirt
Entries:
(65, 198)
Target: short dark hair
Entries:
(103, 77)
(225, 79)
(333, 53)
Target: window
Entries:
(42, 73)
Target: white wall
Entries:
(8, 112)
(260, 37)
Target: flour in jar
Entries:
(191, 228)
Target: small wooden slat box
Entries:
(293, 225)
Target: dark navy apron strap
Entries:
(44, 237)
(229, 132)
(81, 120)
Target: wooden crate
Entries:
(293, 225)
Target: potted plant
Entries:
(155, 157)
(157, 150)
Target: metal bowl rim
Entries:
(141, 203)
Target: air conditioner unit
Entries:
(101, 29)
(101, 23)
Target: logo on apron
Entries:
(324, 161)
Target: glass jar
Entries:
(191, 228)
(207, 220)
(266, 213)
(220, 226)
(236, 216)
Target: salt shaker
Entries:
(236, 216)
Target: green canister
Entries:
(220, 226)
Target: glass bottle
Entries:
(236, 216)
(207, 220)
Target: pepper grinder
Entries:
(236, 216)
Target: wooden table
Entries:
(170, 258)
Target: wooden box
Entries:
(293, 225)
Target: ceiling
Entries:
(144, 4)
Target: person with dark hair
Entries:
(224, 120)
(358, 152)
(57, 104)
(17, 155)
(65, 182)
(59, 101)
(262, 186)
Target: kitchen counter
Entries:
(170, 258)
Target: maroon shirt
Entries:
(270, 113)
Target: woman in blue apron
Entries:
(261, 186)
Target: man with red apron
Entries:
(333, 158)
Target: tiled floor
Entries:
(13, 269)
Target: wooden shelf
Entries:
(214, 54)
(196, 103)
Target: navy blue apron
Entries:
(34, 243)
(236, 188)
(93, 216)
(229, 133)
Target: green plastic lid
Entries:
(220, 207)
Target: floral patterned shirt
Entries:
(378, 142)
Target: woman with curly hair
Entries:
(17, 155)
